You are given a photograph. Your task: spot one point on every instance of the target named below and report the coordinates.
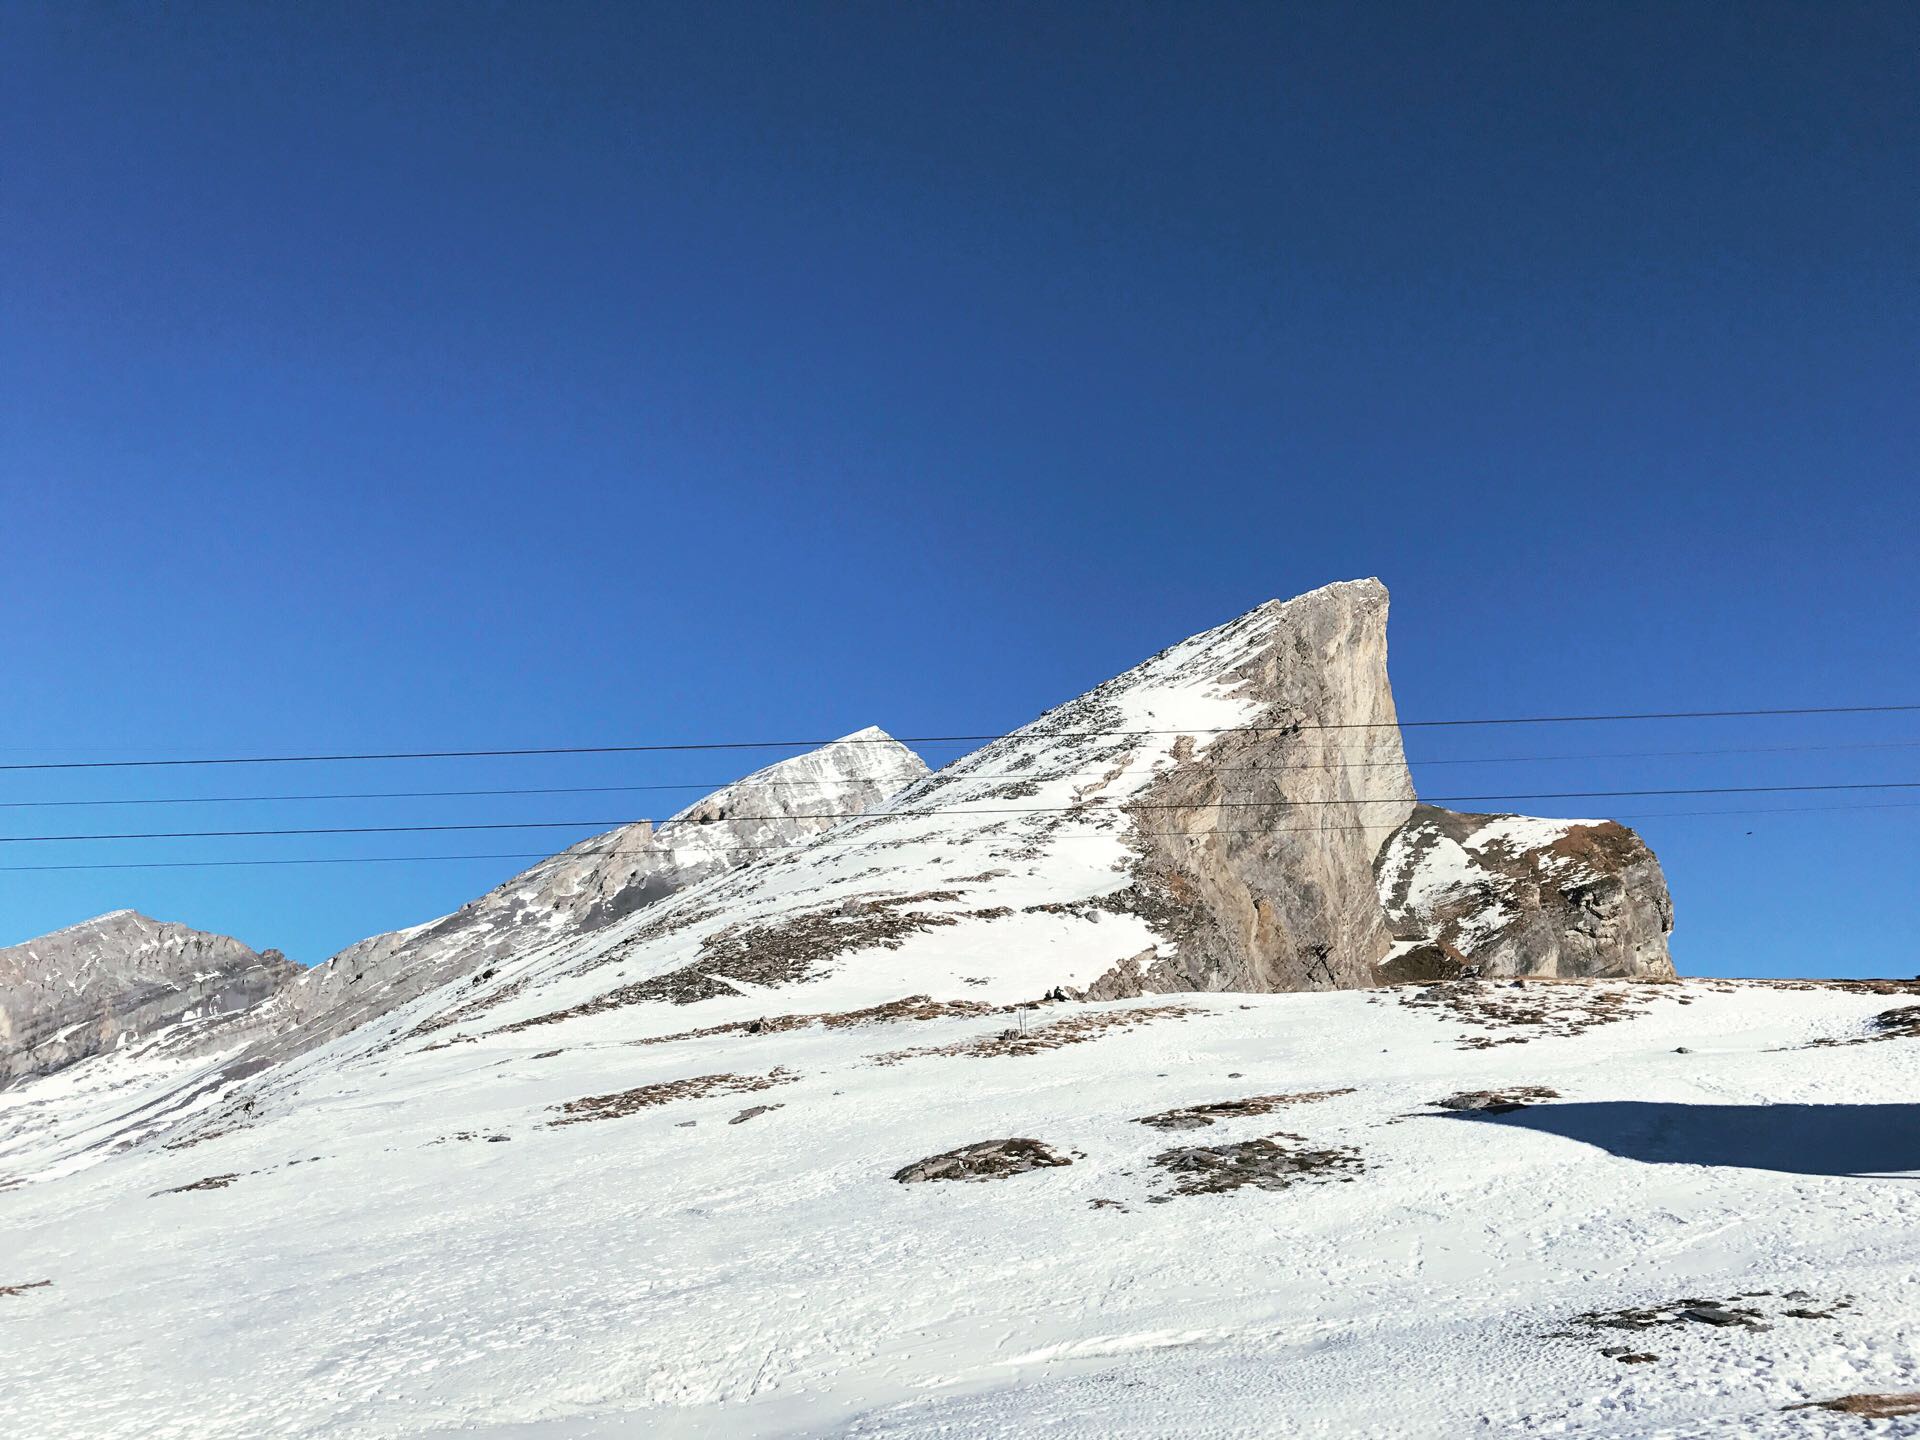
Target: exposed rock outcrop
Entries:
(984, 1160)
(1257, 853)
(116, 979)
(1510, 895)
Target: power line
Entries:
(797, 844)
(951, 813)
(693, 746)
(707, 786)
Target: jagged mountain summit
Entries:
(116, 979)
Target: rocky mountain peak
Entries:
(118, 978)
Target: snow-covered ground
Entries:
(417, 1248)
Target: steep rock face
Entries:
(1206, 820)
(599, 881)
(1518, 896)
(1260, 851)
(116, 979)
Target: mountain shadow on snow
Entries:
(1868, 1141)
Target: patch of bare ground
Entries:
(210, 1182)
(471, 1009)
(645, 1097)
(1197, 1117)
(1856, 987)
(1513, 1012)
(909, 1007)
(671, 923)
(1902, 1023)
(1868, 1407)
(751, 1111)
(984, 1160)
(782, 953)
(1498, 1102)
(9, 1290)
(1273, 1163)
(1070, 1030)
(1163, 905)
(1729, 1314)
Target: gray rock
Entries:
(1507, 895)
(1257, 854)
(118, 979)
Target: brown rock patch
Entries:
(645, 1097)
(1274, 1163)
(984, 1160)
(1197, 1117)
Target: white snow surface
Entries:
(670, 1273)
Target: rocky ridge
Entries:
(116, 979)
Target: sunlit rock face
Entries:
(116, 979)
(1510, 895)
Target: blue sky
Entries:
(458, 375)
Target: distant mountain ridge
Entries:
(598, 881)
(117, 977)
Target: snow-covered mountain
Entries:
(116, 979)
(122, 978)
(592, 884)
(996, 1110)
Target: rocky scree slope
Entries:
(119, 978)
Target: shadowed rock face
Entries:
(117, 979)
(1257, 857)
(1518, 896)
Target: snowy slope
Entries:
(427, 1252)
(638, 1176)
(1066, 856)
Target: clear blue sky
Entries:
(465, 375)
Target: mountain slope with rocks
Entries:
(1057, 1091)
(590, 885)
(116, 979)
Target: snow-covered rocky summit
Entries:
(1209, 820)
(595, 883)
(1511, 895)
(116, 979)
